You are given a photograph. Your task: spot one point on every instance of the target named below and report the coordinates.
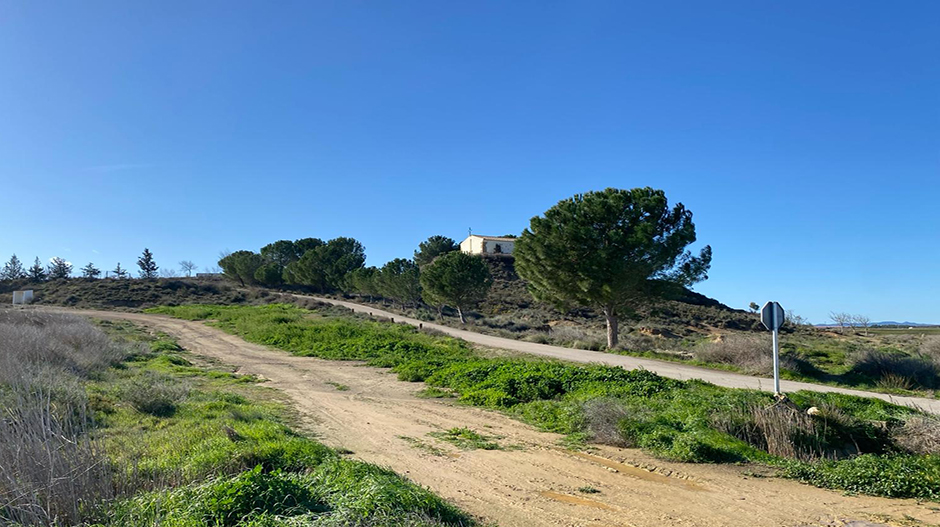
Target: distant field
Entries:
(931, 330)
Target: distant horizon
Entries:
(803, 136)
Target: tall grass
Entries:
(51, 471)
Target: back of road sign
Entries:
(772, 315)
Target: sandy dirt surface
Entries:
(531, 481)
(665, 368)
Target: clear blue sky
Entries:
(803, 135)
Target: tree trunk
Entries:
(440, 312)
(460, 313)
(612, 332)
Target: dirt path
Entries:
(664, 368)
(531, 482)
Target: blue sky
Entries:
(803, 135)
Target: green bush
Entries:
(893, 476)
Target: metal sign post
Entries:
(772, 317)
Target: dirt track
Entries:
(532, 482)
(664, 368)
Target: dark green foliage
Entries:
(325, 267)
(363, 281)
(59, 269)
(303, 245)
(281, 252)
(90, 271)
(269, 274)
(456, 279)
(611, 251)
(36, 273)
(148, 267)
(399, 279)
(241, 266)
(433, 247)
(13, 269)
(119, 272)
(229, 501)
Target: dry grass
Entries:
(602, 419)
(896, 370)
(751, 353)
(919, 435)
(51, 473)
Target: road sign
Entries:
(772, 316)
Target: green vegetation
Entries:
(175, 442)
(433, 247)
(456, 279)
(399, 280)
(467, 439)
(610, 251)
(689, 421)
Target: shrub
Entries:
(920, 434)
(155, 393)
(880, 365)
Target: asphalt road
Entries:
(664, 368)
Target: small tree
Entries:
(840, 319)
(37, 272)
(90, 271)
(187, 267)
(862, 321)
(59, 268)
(753, 307)
(433, 247)
(148, 267)
(400, 279)
(456, 279)
(119, 272)
(13, 269)
(612, 250)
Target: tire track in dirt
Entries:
(533, 482)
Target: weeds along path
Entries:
(664, 368)
(530, 481)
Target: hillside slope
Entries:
(687, 314)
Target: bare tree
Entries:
(794, 319)
(862, 321)
(187, 266)
(168, 273)
(842, 319)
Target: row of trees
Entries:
(59, 268)
(438, 275)
(843, 319)
(610, 251)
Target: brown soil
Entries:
(531, 481)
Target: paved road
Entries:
(664, 368)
